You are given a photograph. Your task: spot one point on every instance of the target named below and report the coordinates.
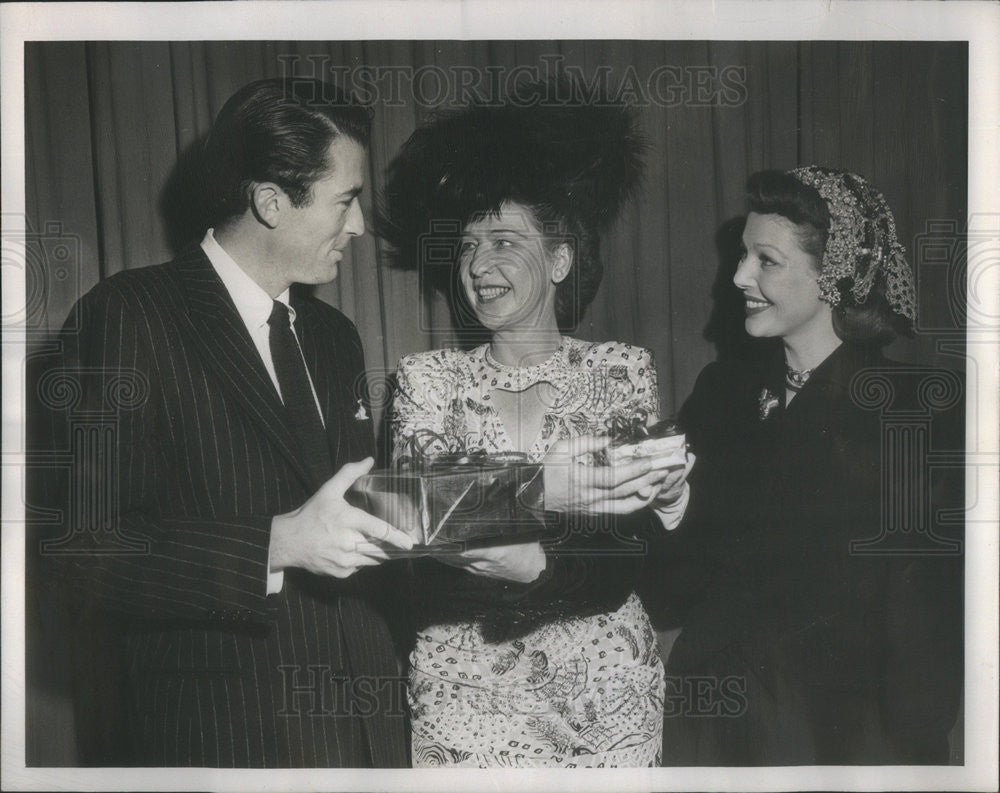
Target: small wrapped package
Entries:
(662, 442)
(451, 499)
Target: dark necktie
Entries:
(297, 394)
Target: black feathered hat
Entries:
(574, 161)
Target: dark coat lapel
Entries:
(229, 352)
(830, 383)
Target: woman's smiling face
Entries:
(508, 271)
(778, 281)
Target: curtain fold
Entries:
(108, 123)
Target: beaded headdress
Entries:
(862, 246)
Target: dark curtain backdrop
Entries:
(111, 128)
(108, 123)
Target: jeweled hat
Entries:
(861, 246)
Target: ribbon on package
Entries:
(455, 496)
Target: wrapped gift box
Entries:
(664, 443)
(452, 499)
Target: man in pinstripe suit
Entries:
(244, 582)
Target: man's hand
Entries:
(328, 536)
(595, 490)
(522, 562)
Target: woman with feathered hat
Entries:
(821, 595)
(531, 654)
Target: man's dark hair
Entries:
(279, 131)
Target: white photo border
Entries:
(978, 23)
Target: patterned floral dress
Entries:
(582, 690)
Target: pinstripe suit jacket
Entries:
(221, 674)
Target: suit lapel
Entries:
(327, 367)
(230, 354)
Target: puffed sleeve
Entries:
(642, 373)
(423, 407)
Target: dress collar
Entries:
(491, 374)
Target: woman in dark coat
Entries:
(821, 606)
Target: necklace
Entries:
(796, 378)
(521, 378)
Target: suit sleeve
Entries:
(129, 551)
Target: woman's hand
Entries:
(571, 486)
(671, 488)
(522, 562)
(670, 501)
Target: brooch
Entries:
(361, 414)
(767, 402)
